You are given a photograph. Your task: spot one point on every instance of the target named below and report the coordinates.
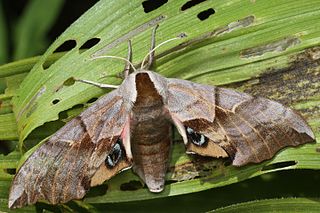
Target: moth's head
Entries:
(142, 80)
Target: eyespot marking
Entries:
(115, 155)
(196, 138)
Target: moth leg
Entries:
(104, 86)
(127, 68)
(153, 44)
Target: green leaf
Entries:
(266, 48)
(33, 26)
(275, 205)
(215, 52)
(8, 127)
(25, 65)
(9, 161)
(4, 207)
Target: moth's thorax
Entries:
(150, 133)
(149, 104)
(147, 95)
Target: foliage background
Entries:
(268, 48)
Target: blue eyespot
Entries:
(196, 138)
(115, 155)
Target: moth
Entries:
(132, 127)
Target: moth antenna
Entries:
(116, 57)
(105, 86)
(180, 36)
(127, 70)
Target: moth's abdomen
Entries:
(151, 143)
(150, 134)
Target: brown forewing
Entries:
(249, 129)
(256, 128)
(62, 168)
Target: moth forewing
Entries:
(59, 171)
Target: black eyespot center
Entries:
(196, 138)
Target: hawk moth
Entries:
(132, 127)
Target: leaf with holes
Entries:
(236, 46)
(132, 127)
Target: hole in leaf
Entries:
(168, 182)
(46, 65)
(63, 115)
(131, 186)
(190, 4)
(279, 165)
(90, 43)
(70, 113)
(69, 82)
(66, 46)
(55, 101)
(150, 5)
(7, 146)
(97, 191)
(77, 106)
(42, 132)
(205, 14)
(92, 100)
(11, 171)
